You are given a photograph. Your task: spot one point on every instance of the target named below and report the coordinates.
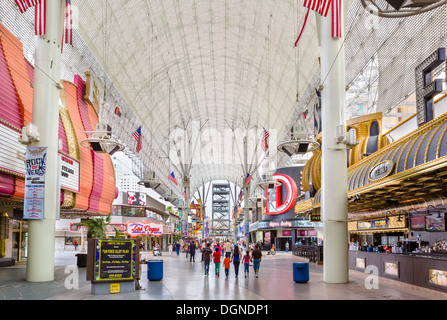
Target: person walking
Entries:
(170, 249)
(256, 257)
(186, 249)
(207, 252)
(216, 259)
(228, 246)
(226, 263)
(192, 252)
(236, 258)
(177, 248)
(247, 262)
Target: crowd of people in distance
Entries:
(225, 253)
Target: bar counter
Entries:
(427, 270)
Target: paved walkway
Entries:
(183, 280)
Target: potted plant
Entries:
(96, 229)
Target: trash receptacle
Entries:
(155, 270)
(301, 272)
(82, 260)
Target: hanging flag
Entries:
(25, 4)
(40, 18)
(241, 195)
(320, 6)
(336, 18)
(248, 179)
(184, 194)
(137, 136)
(172, 178)
(40, 13)
(68, 23)
(264, 142)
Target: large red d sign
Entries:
(277, 207)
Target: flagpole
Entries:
(41, 233)
(334, 208)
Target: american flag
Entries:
(248, 179)
(172, 178)
(25, 4)
(241, 195)
(320, 6)
(68, 23)
(184, 194)
(40, 18)
(137, 136)
(264, 142)
(336, 18)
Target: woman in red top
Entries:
(216, 259)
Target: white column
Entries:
(185, 213)
(246, 194)
(40, 261)
(334, 164)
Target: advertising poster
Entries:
(115, 260)
(35, 183)
(136, 199)
(435, 223)
(417, 223)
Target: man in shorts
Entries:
(256, 258)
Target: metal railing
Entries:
(313, 253)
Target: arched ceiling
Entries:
(201, 69)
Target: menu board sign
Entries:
(115, 260)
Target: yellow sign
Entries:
(114, 288)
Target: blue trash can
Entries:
(155, 270)
(301, 272)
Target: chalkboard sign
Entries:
(115, 260)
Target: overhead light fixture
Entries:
(300, 142)
(101, 141)
(149, 180)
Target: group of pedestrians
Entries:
(226, 254)
(234, 256)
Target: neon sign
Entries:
(144, 228)
(277, 207)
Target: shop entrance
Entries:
(281, 243)
(19, 240)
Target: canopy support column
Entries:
(40, 260)
(334, 160)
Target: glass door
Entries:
(20, 240)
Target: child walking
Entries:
(246, 262)
(226, 262)
(216, 259)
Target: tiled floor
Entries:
(183, 280)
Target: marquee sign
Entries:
(143, 228)
(69, 173)
(275, 204)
